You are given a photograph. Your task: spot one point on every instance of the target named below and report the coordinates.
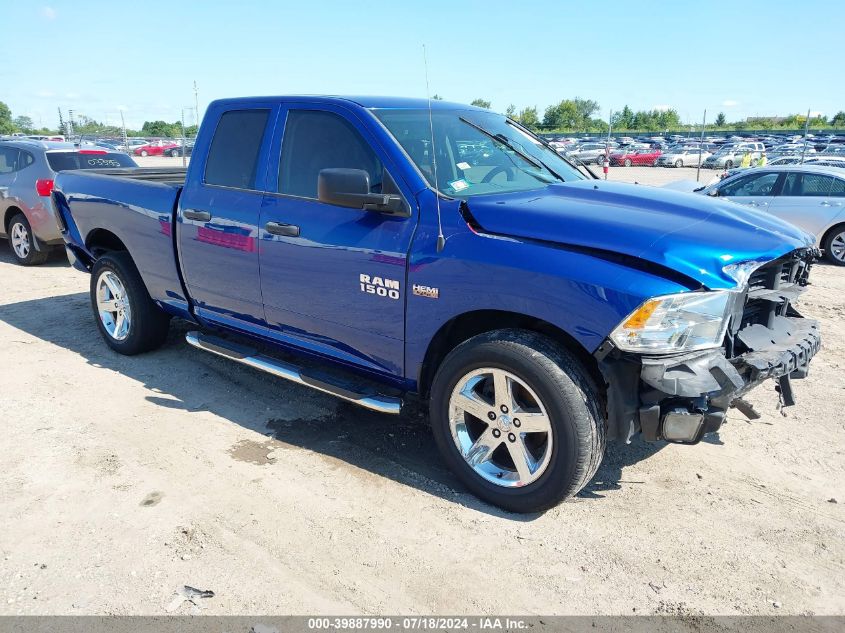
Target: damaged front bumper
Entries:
(681, 398)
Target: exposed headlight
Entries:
(676, 323)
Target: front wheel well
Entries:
(465, 326)
(829, 232)
(100, 241)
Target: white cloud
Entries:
(48, 13)
(661, 107)
(46, 94)
(71, 95)
(730, 103)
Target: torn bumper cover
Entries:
(681, 398)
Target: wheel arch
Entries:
(835, 227)
(101, 241)
(11, 212)
(469, 324)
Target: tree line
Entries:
(569, 115)
(86, 126)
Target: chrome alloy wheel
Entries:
(113, 305)
(20, 240)
(500, 427)
(837, 246)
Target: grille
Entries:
(771, 288)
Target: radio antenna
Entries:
(441, 240)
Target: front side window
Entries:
(476, 152)
(800, 184)
(752, 185)
(236, 148)
(315, 140)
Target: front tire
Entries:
(22, 242)
(128, 319)
(517, 419)
(628, 162)
(679, 163)
(834, 246)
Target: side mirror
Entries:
(351, 188)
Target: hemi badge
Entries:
(426, 291)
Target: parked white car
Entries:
(811, 197)
(682, 157)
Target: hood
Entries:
(693, 235)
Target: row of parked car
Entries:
(689, 153)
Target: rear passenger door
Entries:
(807, 201)
(217, 220)
(333, 278)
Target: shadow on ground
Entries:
(401, 448)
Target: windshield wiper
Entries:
(501, 138)
(547, 145)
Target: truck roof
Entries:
(407, 103)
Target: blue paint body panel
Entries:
(580, 256)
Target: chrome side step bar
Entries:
(248, 356)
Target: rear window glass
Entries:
(59, 161)
(233, 157)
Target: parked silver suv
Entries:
(27, 170)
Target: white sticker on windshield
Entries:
(463, 166)
(459, 185)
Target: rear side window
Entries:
(798, 184)
(317, 140)
(60, 161)
(235, 149)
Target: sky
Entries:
(743, 58)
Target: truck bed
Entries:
(135, 206)
(165, 175)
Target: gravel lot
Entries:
(124, 479)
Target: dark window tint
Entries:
(60, 161)
(233, 157)
(321, 140)
(798, 184)
(8, 160)
(838, 188)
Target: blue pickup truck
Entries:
(386, 249)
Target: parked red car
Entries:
(635, 157)
(156, 148)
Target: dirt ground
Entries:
(124, 479)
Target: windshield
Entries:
(477, 152)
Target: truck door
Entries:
(217, 221)
(333, 278)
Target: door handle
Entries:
(278, 228)
(824, 203)
(202, 216)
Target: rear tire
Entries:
(834, 245)
(128, 319)
(144, 153)
(729, 164)
(545, 384)
(22, 242)
(628, 162)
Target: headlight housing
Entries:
(676, 323)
